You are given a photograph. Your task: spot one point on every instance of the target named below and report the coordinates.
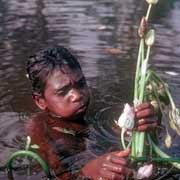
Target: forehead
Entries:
(61, 77)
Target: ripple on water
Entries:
(108, 55)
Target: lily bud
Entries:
(168, 141)
(149, 87)
(150, 37)
(152, 1)
(161, 89)
(155, 105)
(142, 27)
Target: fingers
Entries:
(114, 165)
(143, 106)
(119, 169)
(124, 153)
(146, 121)
(145, 117)
(144, 113)
(117, 160)
(107, 175)
(146, 127)
(112, 158)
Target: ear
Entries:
(40, 101)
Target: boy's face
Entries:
(66, 93)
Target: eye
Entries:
(63, 91)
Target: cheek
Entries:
(57, 104)
(62, 106)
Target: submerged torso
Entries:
(68, 148)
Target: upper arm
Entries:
(35, 128)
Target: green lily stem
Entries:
(137, 76)
(160, 105)
(143, 75)
(136, 143)
(133, 151)
(170, 98)
(138, 137)
(148, 12)
(141, 135)
(156, 159)
(161, 153)
(123, 130)
(28, 143)
(30, 154)
(135, 137)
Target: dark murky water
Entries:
(104, 35)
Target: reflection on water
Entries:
(102, 32)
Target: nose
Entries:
(75, 95)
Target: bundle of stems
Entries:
(150, 87)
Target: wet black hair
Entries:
(44, 62)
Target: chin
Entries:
(78, 116)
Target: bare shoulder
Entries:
(36, 123)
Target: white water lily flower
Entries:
(126, 120)
(144, 171)
(152, 1)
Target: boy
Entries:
(61, 92)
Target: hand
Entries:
(145, 116)
(110, 166)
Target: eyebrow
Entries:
(63, 87)
(69, 85)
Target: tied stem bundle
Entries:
(146, 39)
(150, 87)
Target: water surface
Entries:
(103, 33)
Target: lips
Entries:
(82, 108)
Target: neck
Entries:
(77, 123)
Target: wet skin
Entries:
(114, 165)
(64, 102)
(66, 94)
